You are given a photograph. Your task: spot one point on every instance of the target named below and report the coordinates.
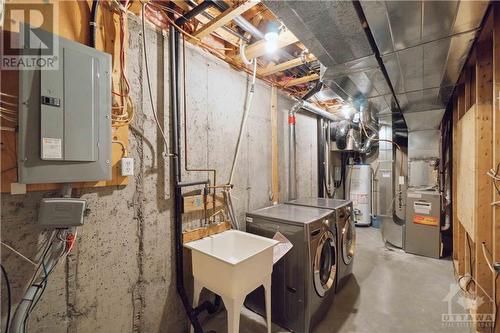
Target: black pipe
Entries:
(193, 4)
(92, 23)
(314, 90)
(194, 12)
(321, 158)
(208, 306)
(179, 257)
(344, 158)
(191, 312)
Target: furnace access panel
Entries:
(65, 118)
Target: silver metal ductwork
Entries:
(392, 232)
(341, 45)
(312, 108)
(424, 45)
(369, 126)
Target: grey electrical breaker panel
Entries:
(65, 118)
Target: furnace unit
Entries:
(423, 223)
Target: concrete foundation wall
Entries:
(120, 276)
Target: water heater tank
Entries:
(359, 191)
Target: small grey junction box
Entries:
(61, 212)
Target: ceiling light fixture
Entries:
(271, 37)
(271, 42)
(347, 111)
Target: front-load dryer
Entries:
(346, 232)
(303, 281)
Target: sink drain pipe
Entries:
(208, 306)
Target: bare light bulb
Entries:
(347, 111)
(271, 42)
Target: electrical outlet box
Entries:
(65, 117)
(61, 212)
(127, 166)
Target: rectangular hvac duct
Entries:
(424, 45)
(341, 45)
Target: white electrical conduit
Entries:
(146, 66)
(54, 251)
(243, 55)
(244, 119)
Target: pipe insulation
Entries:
(314, 109)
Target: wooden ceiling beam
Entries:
(221, 33)
(285, 65)
(225, 35)
(182, 4)
(258, 49)
(300, 80)
(224, 18)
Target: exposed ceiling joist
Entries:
(223, 34)
(224, 18)
(231, 39)
(181, 4)
(285, 65)
(258, 49)
(300, 80)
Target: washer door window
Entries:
(325, 264)
(348, 241)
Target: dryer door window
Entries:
(348, 241)
(325, 265)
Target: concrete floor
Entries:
(390, 292)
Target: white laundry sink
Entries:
(233, 262)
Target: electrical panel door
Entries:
(65, 118)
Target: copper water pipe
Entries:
(185, 128)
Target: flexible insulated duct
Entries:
(338, 132)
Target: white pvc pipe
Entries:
(246, 112)
(243, 55)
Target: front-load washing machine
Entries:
(346, 232)
(303, 281)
